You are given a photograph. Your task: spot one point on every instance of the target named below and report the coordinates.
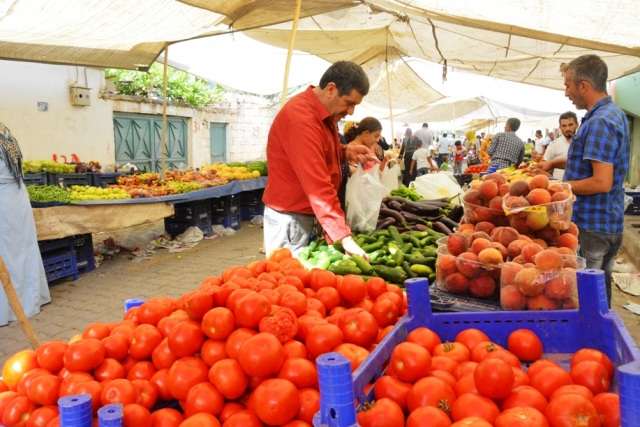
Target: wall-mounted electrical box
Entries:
(80, 96)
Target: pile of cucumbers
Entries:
(394, 257)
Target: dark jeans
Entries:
(408, 177)
(440, 158)
(423, 171)
(600, 249)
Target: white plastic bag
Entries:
(436, 185)
(365, 192)
(390, 178)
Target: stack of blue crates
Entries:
(226, 211)
(251, 204)
(59, 258)
(190, 214)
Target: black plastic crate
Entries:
(199, 210)
(83, 244)
(634, 208)
(60, 266)
(35, 178)
(225, 205)
(175, 227)
(251, 198)
(65, 180)
(249, 212)
(229, 221)
(47, 246)
(105, 179)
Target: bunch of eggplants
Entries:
(440, 215)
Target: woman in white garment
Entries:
(18, 240)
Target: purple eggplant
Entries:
(390, 213)
(441, 228)
(384, 223)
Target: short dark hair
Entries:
(589, 68)
(418, 142)
(425, 125)
(444, 135)
(347, 76)
(514, 124)
(538, 132)
(458, 143)
(568, 115)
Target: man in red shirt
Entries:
(304, 155)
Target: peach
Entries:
(537, 220)
(446, 265)
(485, 226)
(560, 196)
(499, 178)
(479, 245)
(490, 257)
(488, 189)
(456, 283)
(525, 238)
(495, 205)
(472, 197)
(539, 181)
(479, 235)
(515, 248)
(549, 235)
(483, 214)
(561, 286)
(559, 221)
(467, 227)
(538, 196)
(566, 251)
(519, 188)
(475, 186)
(555, 188)
(468, 234)
(495, 232)
(504, 190)
(470, 215)
(568, 241)
(529, 282)
(512, 299)
(542, 302)
(569, 304)
(482, 286)
(572, 229)
(508, 273)
(507, 236)
(519, 223)
(500, 247)
(529, 265)
(520, 259)
(570, 262)
(540, 242)
(548, 260)
(457, 244)
(468, 264)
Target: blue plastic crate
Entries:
(83, 244)
(225, 205)
(35, 178)
(65, 180)
(248, 212)
(175, 227)
(562, 332)
(230, 221)
(634, 207)
(61, 265)
(199, 210)
(251, 198)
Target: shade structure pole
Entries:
(164, 108)
(393, 137)
(292, 39)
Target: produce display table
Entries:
(56, 222)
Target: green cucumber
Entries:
(367, 239)
(372, 247)
(390, 274)
(345, 263)
(398, 257)
(342, 271)
(407, 248)
(362, 264)
(407, 269)
(421, 270)
(395, 235)
(415, 242)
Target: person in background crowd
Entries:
(484, 149)
(472, 157)
(560, 147)
(18, 240)
(445, 163)
(596, 164)
(458, 158)
(471, 140)
(406, 154)
(422, 161)
(425, 135)
(383, 143)
(305, 154)
(549, 139)
(344, 170)
(507, 148)
(540, 146)
(443, 148)
(367, 133)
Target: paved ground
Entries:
(99, 296)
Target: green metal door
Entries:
(138, 141)
(218, 142)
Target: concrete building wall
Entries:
(627, 96)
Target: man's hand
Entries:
(359, 154)
(539, 167)
(351, 248)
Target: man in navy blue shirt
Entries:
(596, 164)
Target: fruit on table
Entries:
(38, 166)
(86, 192)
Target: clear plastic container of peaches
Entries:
(466, 275)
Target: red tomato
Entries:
(301, 372)
(203, 397)
(293, 349)
(307, 323)
(572, 389)
(94, 388)
(572, 410)
(184, 374)
(394, 389)
(18, 411)
(166, 324)
(525, 345)
(125, 331)
(166, 417)
(162, 357)
(186, 338)
(521, 417)
(444, 376)
(471, 337)
(44, 390)
(592, 375)
(382, 333)
(424, 337)
(520, 377)
(547, 380)
(524, 396)
(250, 309)
(50, 355)
(143, 370)
(385, 312)
(159, 380)
(292, 280)
(393, 297)
(201, 420)
(282, 323)
(376, 287)
(97, 331)
(237, 295)
(296, 301)
(323, 338)
(596, 356)
(453, 350)
(70, 381)
(229, 409)
(441, 363)
(428, 416)
(540, 364)
(608, 407)
(481, 349)
(229, 378)
(119, 391)
(221, 295)
(494, 378)
(196, 304)
(152, 311)
(243, 418)
(465, 368)
(3, 386)
(83, 355)
(465, 384)
(134, 415)
(385, 412)
(410, 362)
(321, 278)
(5, 398)
(354, 353)
(271, 294)
(309, 404)
(144, 340)
(115, 347)
(41, 416)
(236, 339)
(506, 356)
(329, 297)
(212, 351)
(129, 363)
(25, 381)
(18, 365)
(261, 355)
(431, 391)
(474, 405)
(314, 304)
(358, 327)
(279, 401)
(108, 369)
(218, 323)
(352, 288)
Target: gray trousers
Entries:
(286, 230)
(600, 249)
